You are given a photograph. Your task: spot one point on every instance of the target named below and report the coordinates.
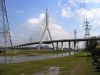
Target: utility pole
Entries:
(5, 37)
(46, 29)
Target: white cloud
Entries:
(66, 12)
(42, 15)
(84, 1)
(84, 13)
(67, 7)
(90, 1)
(57, 31)
(35, 21)
(73, 3)
(95, 33)
(93, 15)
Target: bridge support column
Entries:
(53, 46)
(28, 46)
(21, 47)
(86, 43)
(61, 45)
(74, 46)
(69, 47)
(57, 46)
(18, 47)
(25, 47)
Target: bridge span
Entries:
(60, 41)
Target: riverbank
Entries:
(30, 52)
(78, 64)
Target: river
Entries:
(23, 58)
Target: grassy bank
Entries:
(30, 52)
(79, 64)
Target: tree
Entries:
(91, 46)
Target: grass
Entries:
(30, 52)
(78, 64)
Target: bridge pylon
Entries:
(46, 29)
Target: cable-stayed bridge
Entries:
(45, 36)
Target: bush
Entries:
(96, 52)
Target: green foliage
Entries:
(91, 46)
(96, 52)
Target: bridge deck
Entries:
(64, 40)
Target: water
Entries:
(23, 58)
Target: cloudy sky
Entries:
(65, 16)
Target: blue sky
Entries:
(25, 15)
